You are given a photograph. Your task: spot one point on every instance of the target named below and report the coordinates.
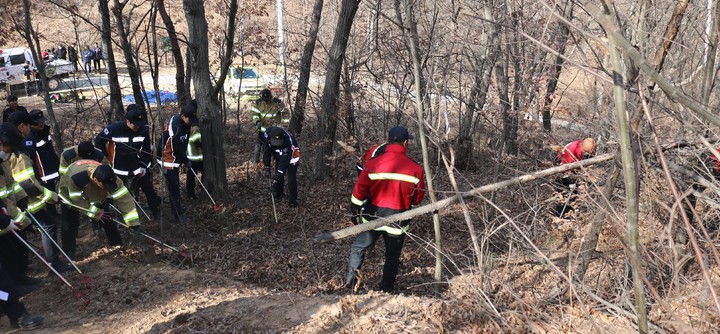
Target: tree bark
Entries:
(331, 91)
(133, 70)
(562, 34)
(483, 66)
(211, 121)
(33, 41)
(298, 111)
(632, 187)
(117, 111)
(353, 230)
(412, 43)
(182, 94)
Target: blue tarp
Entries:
(165, 97)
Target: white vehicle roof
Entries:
(12, 51)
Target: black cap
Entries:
(11, 98)
(10, 135)
(398, 134)
(190, 111)
(105, 175)
(86, 150)
(265, 93)
(36, 116)
(276, 135)
(136, 115)
(19, 117)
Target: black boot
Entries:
(27, 321)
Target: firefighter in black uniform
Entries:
(39, 148)
(172, 154)
(39, 142)
(284, 149)
(127, 146)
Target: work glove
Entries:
(267, 171)
(143, 170)
(22, 204)
(14, 226)
(258, 125)
(99, 215)
(355, 210)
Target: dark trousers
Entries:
(197, 167)
(173, 182)
(12, 306)
(278, 185)
(144, 183)
(72, 219)
(88, 67)
(46, 217)
(14, 255)
(393, 249)
(259, 147)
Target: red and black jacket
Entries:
(391, 180)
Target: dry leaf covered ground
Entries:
(247, 276)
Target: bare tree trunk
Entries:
(709, 73)
(483, 65)
(211, 120)
(412, 43)
(133, 70)
(117, 111)
(298, 112)
(555, 70)
(33, 41)
(632, 188)
(331, 91)
(182, 94)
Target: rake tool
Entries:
(272, 197)
(217, 207)
(85, 279)
(81, 297)
(187, 257)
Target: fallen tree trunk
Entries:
(353, 230)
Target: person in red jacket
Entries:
(572, 152)
(576, 151)
(388, 184)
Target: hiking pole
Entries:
(217, 207)
(86, 280)
(77, 293)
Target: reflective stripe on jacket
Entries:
(23, 175)
(269, 113)
(392, 182)
(128, 151)
(39, 147)
(175, 137)
(9, 196)
(71, 155)
(76, 186)
(194, 148)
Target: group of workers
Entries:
(98, 180)
(87, 180)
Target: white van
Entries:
(12, 61)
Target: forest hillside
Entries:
(507, 240)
